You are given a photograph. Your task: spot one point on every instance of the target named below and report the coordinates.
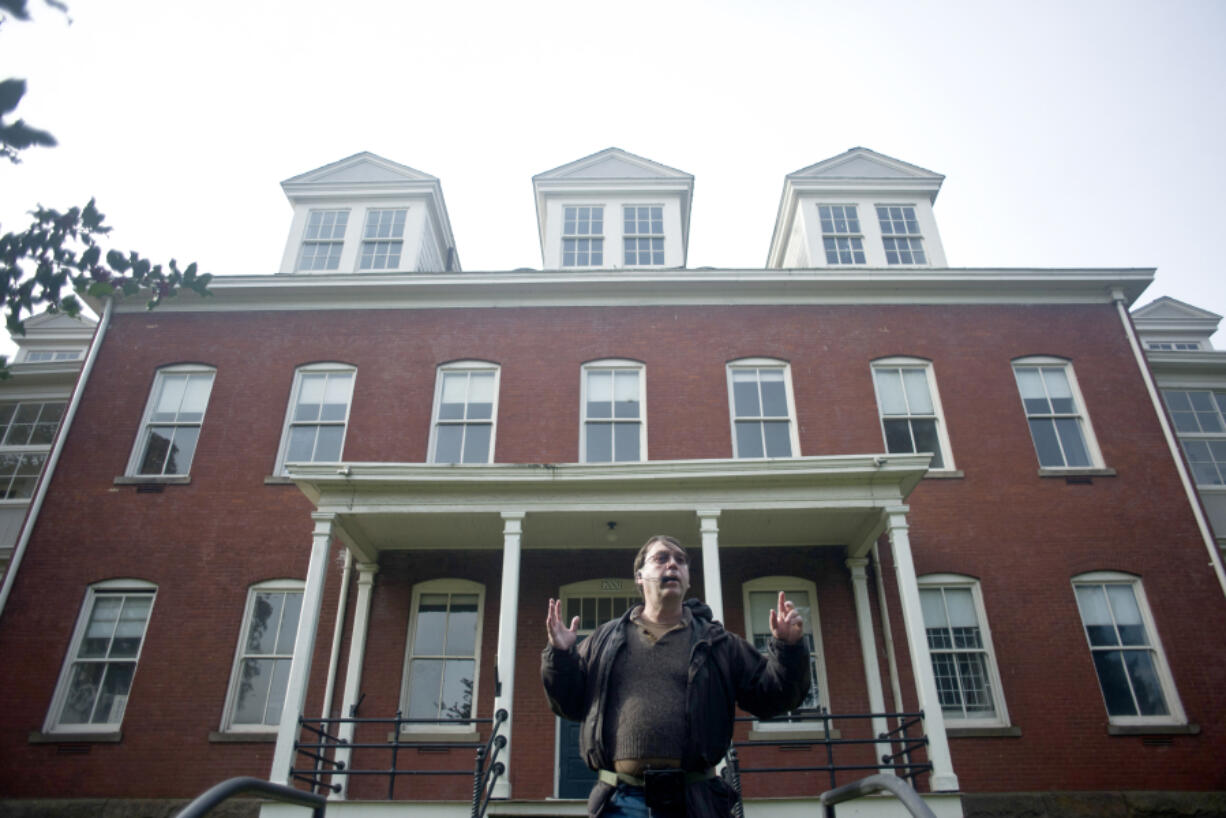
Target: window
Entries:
(841, 234)
(960, 645)
(761, 399)
(465, 408)
(613, 413)
(383, 239)
(644, 235)
(1062, 437)
(582, 236)
(900, 232)
(1199, 416)
(323, 240)
(1132, 671)
(318, 415)
(1172, 346)
(26, 432)
(910, 408)
(444, 650)
(761, 597)
(265, 650)
(45, 355)
(92, 693)
(173, 417)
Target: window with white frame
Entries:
(582, 235)
(93, 689)
(960, 644)
(173, 418)
(443, 654)
(265, 651)
(323, 240)
(1199, 416)
(900, 234)
(26, 432)
(465, 412)
(762, 597)
(1133, 674)
(318, 415)
(643, 235)
(383, 239)
(50, 355)
(910, 409)
(613, 427)
(760, 397)
(1061, 433)
(841, 234)
(1173, 346)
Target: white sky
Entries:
(1071, 133)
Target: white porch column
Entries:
(508, 621)
(943, 777)
(353, 671)
(868, 646)
(708, 524)
(304, 647)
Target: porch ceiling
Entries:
(833, 500)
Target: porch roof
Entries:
(830, 500)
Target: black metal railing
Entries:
(207, 801)
(325, 768)
(893, 751)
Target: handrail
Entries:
(204, 803)
(876, 783)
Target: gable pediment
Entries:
(360, 169)
(1167, 309)
(612, 163)
(862, 163)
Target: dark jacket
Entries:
(725, 671)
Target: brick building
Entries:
(349, 488)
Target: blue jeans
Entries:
(627, 802)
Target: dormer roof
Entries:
(613, 170)
(364, 177)
(855, 171)
(1166, 314)
(56, 327)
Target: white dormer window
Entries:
(323, 240)
(643, 235)
(383, 239)
(841, 235)
(583, 236)
(900, 233)
(45, 355)
(1173, 346)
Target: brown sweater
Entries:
(646, 712)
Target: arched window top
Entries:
(901, 360)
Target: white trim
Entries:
(112, 586)
(142, 434)
(464, 366)
(813, 625)
(1162, 667)
(227, 714)
(934, 394)
(1083, 412)
(942, 581)
(448, 586)
(614, 364)
(763, 363)
(327, 367)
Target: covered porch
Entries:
(561, 513)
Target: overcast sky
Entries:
(1071, 134)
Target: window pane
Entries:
(599, 442)
(918, 397)
(477, 443)
(481, 395)
(276, 691)
(289, 622)
(778, 441)
(310, 397)
(626, 436)
(431, 625)
(462, 625)
(328, 444)
(626, 394)
(156, 448)
(898, 436)
(265, 614)
(889, 392)
(130, 628)
(1043, 431)
(256, 677)
(1127, 615)
(1058, 389)
(82, 693)
(600, 394)
(195, 398)
(114, 695)
(182, 448)
(926, 440)
(167, 408)
(425, 683)
(457, 696)
(455, 395)
(748, 439)
(301, 444)
(1114, 683)
(337, 392)
(1145, 685)
(745, 393)
(1075, 452)
(774, 393)
(1030, 385)
(101, 627)
(447, 443)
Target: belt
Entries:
(613, 779)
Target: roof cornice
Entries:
(655, 287)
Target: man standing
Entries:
(656, 691)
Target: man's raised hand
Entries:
(786, 623)
(564, 638)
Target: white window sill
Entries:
(100, 737)
(1078, 472)
(278, 480)
(944, 474)
(1153, 729)
(153, 480)
(983, 732)
(236, 737)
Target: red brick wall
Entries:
(203, 544)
